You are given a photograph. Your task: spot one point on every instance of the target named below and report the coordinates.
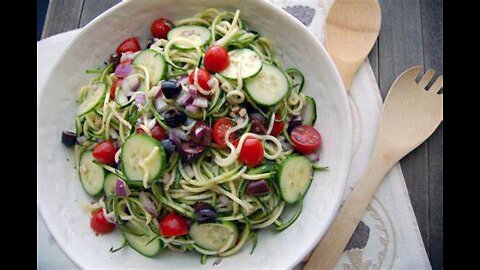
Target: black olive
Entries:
(150, 42)
(258, 127)
(295, 122)
(115, 59)
(175, 118)
(204, 212)
(171, 88)
(169, 146)
(69, 138)
(200, 133)
(190, 151)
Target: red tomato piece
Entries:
(203, 77)
(99, 223)
(306, 139)
(216, 59)
(105, 152)
(173, 224)
(128, 45)
(219, 130)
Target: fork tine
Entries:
(426, 78)
(437, 85)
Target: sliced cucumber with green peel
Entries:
(134, 229)
(294, 177)
(141, 149)
(198, 35)
(268, 87)
(248, 60)
(94, 97)
(214, 236)
(92, 176)
(141, 245)
(309, 114)
(155, 64)
(109, 184)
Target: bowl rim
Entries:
(337, 78)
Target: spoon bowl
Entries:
(351, 31)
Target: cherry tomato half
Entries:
(306, 139)
(277, 126)
(100, 224)
(216, 59)
(128, 45)
(251, 153)
(158, 132)
(220, 129)
(105, 152)
(173, 224)
(203, 77)
(160, 28)
(113, 87)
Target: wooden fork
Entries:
(411, 113)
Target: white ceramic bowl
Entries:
(60, 195)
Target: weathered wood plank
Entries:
(62, 15)
(93, 8)
(373, 57)
(400, 47)
(432, 30)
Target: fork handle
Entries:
(330, 248)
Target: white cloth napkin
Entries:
(388, 237)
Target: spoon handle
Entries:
(330, 248)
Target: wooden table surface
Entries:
(412, 34)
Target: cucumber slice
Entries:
(294, 177)
(134, 229)
(139, 243)
(135, 150)
(109, 184)
(268, 87)
(214, 236)
(309, 114)
(155, 64)
(247, 59)
(92, 176)
(93, 98)
(198, 35)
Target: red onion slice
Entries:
(127, 56)
(201, 102)
(121, 188)
(122, 71)
(192, 91)
(160, 105)
(148, 204)
(141, 99)
(184, 98)
(192, 109)
(183, 80)
(258, 188)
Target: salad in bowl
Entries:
(196, 141)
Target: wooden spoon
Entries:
(351, 31)
(409, 117)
